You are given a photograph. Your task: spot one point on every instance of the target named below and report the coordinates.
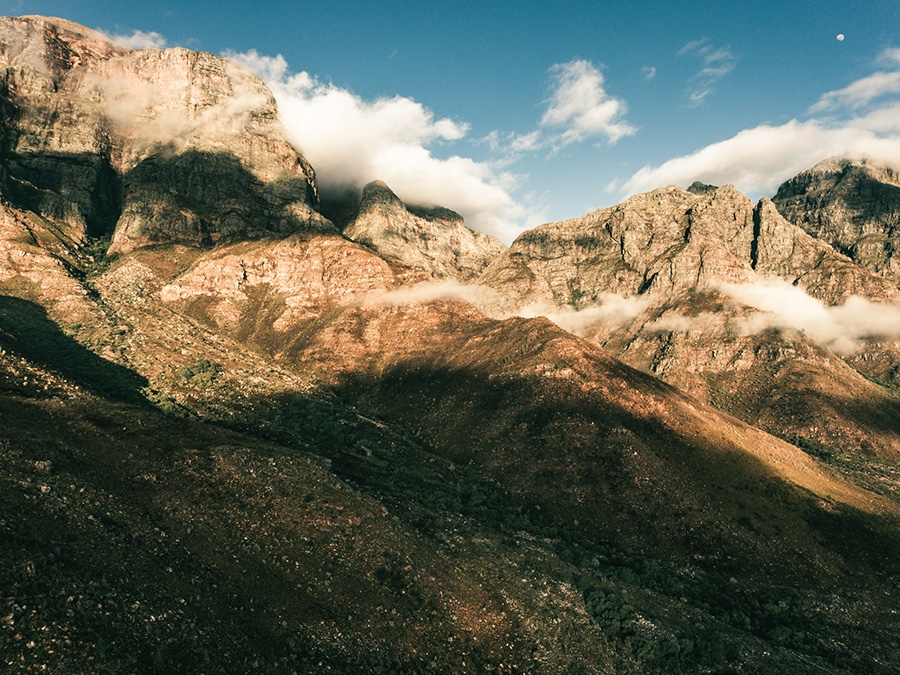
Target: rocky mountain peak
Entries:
(702, 188)
(145, 146)
(435, 240)
(853, 205)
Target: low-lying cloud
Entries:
(351, 142)
(841, 328)
(608, 313)
(482, 297)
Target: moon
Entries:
(840, 37)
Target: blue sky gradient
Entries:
(516, 113)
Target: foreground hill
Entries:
(240, 439)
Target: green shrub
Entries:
(201, 372)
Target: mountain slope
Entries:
(690, 266)
(237, 440)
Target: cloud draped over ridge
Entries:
(785, 306)
(138, 40)
(581, 105)
(863, 119)
(351, 142)
(610, 311)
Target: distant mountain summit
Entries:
(853, 205)
(435, 239)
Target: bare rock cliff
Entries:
(434, 240)
(853, 205)
(145, 146)
(671, 240)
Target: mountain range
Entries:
(249, 429)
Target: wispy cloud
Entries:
(139, 40)
(580, 105)
(649, 72)
(609, 312)
(432, 291)
(860, 120)
(864, 91)
(351, 141)
(717, 62)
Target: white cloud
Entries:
(351, 142)
(758, 160)
(717, 63)
(580, 104)
(890, 57)
(649, 72)
(863, 121)
(841, 327)
(139, 40)
(610, 312)
(860, 93)
(431, 291)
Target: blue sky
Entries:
(517, 113)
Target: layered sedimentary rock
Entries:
(671, 240)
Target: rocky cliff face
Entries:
(434, 240)
(676, 256)
(145, 146)
(853, 205)
(666, 241)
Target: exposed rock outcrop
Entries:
(432, 239)
(853, 205)
(667, 241)
(148, 146)
(674, 255)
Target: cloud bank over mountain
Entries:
(352, 142)
(861, 119)
(840, 327)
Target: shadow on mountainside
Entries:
(195, 197)
(588, 465)
(186, 547)
(27, 331)
(202, 198)
(58, 185)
